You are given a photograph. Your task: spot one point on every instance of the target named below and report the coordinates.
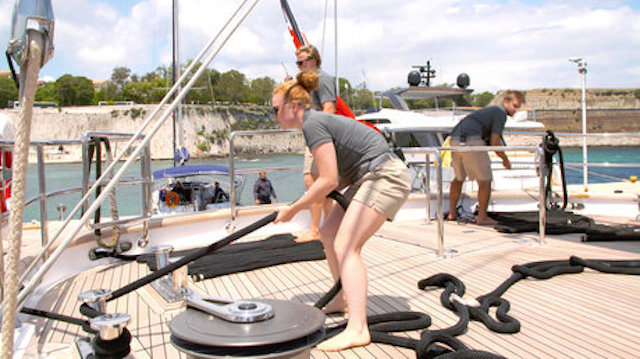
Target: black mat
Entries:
(560, 222)
(241, 257)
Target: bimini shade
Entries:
(31, 15)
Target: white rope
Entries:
(28, 84)
(113, 203)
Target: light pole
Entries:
(582, 69)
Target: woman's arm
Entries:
(324, 157)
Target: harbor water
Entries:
(288, 184)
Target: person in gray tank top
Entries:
(323, 99)
(481, 128)
(348, 152)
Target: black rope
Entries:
(443, 343)
(200, 253)
(110, 349)
(551, 146)
(14, 76)
(504, 323)
(193, 256)
(63, 318)
(438, 343)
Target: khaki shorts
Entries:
(309, 166)
(384, 189)
(475, 165)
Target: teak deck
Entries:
(587, 315)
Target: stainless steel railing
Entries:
(43, 196)
(585, 164)
(232, 169)
(440, 210)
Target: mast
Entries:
(177, 114)
(335, 51)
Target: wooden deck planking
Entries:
(508, 273)
(600, 307)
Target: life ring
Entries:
(172, 199)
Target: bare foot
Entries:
(486, 221)
(312, 234)
(345, 340)
(451, 218)
(337, 305)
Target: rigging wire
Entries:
(324, 25)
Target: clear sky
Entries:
(500, 44)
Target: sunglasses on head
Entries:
(300, 62)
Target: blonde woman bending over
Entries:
(355, 156)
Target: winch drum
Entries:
(290, 333)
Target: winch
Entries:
(248, 329)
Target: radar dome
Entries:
(414, 78)
(463, 80)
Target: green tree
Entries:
(214, 77)
(138, 92)
(85, 91)
(362, 100)
(261, 90)
(74, 91)
(65, 90)
(346, 91)
(8, 92)
(158, 89)
(47, 92)
(232, 86)
(201, 90)
(108, 92)
(481, 99)
(120, 76)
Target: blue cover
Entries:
(191, 170)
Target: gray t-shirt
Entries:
(355, 143)
(325, 92)
(481, 123)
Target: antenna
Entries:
(426, 73)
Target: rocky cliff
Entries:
(204, 130)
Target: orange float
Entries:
(172, 199)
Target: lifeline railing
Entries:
(232, 170)
(91, 143)
(439, 197)
(89, 138)
(586, 164)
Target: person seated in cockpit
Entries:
(219, 195)
(183, 193)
